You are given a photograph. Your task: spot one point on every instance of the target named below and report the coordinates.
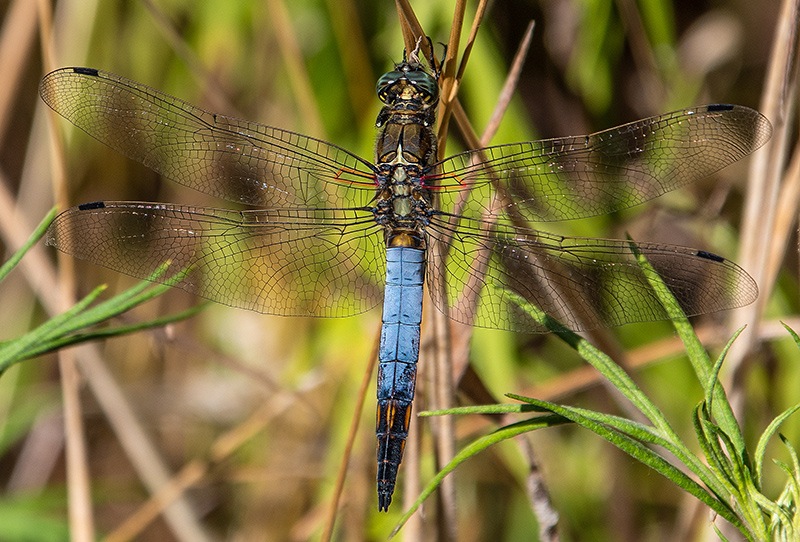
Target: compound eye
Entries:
(425, 84)
(386, 86)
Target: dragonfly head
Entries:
(408, 82)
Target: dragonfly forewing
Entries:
(575, 177)
(229, 158)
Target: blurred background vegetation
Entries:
(253, 411)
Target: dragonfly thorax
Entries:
(403, 202)
(405, 150)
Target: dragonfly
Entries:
(319, 231)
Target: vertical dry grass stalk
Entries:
(85, 364)
(773, 194)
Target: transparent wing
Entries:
(573, 177)
(289, 262)
(225, 157)
(584, 283)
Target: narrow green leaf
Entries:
(135, 295)
(64, 329)
(748, 500)
(794, 456)
(762, 505)
(101, 334)
(650, 458)
(507, 408)
(644, 433)
(741, 469)
(793, 334)
(719, 533)
(793, 481)
(784, 526)
(712, 451)
(662, 466)
(473, 449)
(37, 234)
(597, 359)
(631, 428)
(694, 348)
(713, 386)
(695, 351)
(761, 447)
(14, 351)
(627, 428)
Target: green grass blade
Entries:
(795, 471)
(636, 430)
(597, 359)
(792, 332)
(748, 499)
(63, 330)
(713, 452)
(698, 357)
(132, 297)
(738, 469)
(790, 496)
(15, 350)
(644, 433)
(713, 386)
(473, 449)
(769, 432)
(37, 234)
(65, 341)
(481, 409)
(648, 457)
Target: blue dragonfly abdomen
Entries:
(397, 361)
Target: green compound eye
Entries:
(391, 83)
(425, 84)
(386, 83)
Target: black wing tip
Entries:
(92, 72)
(49, 83)
(762, 127)
(710, 256)
(746, 287)
(720, 107)
(91, 206)
(86, 71)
